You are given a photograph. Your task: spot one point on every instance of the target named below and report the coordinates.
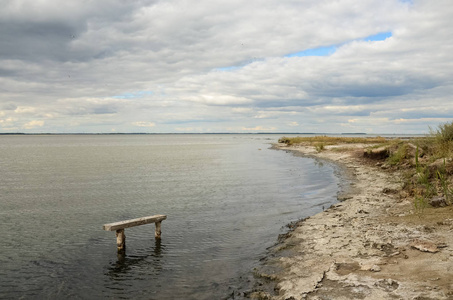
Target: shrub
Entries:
(443, 140)
(285, 140)
(319, 147)
(444, 133)
(399, 155)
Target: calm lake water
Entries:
(227, 197)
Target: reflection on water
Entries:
(152, 261)
(146, 263)
(226, 202)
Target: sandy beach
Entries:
(371, 245)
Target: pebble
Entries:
(375, 268)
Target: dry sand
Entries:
(373, 245)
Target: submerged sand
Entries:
(372, 245)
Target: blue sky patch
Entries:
(377, 37)
(329, 50)
(226, 69)
(321, 51)
(243, 64)
(133, 95)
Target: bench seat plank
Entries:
(134, 222)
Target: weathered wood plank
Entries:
(134, 222)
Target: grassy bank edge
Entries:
(426, 163)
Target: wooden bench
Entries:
(120, 226)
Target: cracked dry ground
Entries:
(371, 246)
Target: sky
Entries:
(206, 66)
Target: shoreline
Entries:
(371, 245)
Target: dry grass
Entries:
(331, 140)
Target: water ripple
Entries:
(226, 203)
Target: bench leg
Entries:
(158, 230)
(120, 240)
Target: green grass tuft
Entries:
(398, 156)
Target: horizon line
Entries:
(168, 133)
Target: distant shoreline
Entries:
(222, 133)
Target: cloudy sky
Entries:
(323, 66)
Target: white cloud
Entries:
(219, 99)
(187, 129)
(33, 124)
(144, 124)
(259, 128)
(243, 110)
(80, 55)
(25, 110)
(8, 122)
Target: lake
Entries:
(227, 198)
